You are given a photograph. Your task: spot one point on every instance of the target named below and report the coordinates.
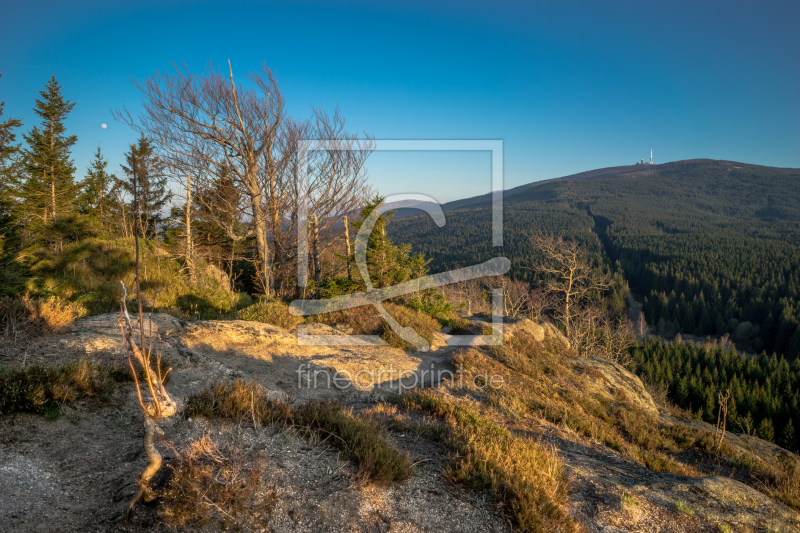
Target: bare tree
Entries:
(585, 333)
(596, 333)
(617, 340)
(467, 292)
(641, 324)
(205, 125)
(160, 403)
(188, 228)
(722, 418)
(569, 277)
(517, 296)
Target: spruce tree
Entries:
(706, 326)
(9, 166)
(152, 184)
(387, 264)
(47, 189)
(789, 440)
(96, 199)
(216, 215)
(689, 321)
(766, 431)
(8, 150)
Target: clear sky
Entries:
(568, 86)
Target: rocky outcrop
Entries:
(86, 467)
(538, 329)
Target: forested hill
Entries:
(713, 246)
(405, 209)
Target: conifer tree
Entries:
(7, 147)
(789, 440)
(152, 184)
(766, 430)
(387, 264)
(8, 168)
(217, 216)
(8, 152)
(96, 199)
(47, 189)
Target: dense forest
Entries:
(712, 247)
(764, 390)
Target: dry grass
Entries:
(273, 312)
(220, 488)
(23, 317)
(540, 382)
(526, 476)
(360, 438)
(781, 480)
(42, 389)
(388, 416)
(366, 321)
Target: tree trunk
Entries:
(136, 240)
(262, 246)
(189, 244)
(151, 430)
(45, 204)
(347, 241)
(317, 267)
(52, 176)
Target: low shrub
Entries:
(273, 312)
(220, 488)
(24, 317)
(527, 476)
(367, 321)
(684, 508)
(426, 326)
(359, 438)
(41, 389)
(88, 272)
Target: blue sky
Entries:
(568, 86)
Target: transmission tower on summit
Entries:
(651, 156)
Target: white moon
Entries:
(104, 125)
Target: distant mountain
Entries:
(709, 244)
(408, 207)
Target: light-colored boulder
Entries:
(528, 326)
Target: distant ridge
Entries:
(407, 208)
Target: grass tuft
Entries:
(527, 476)
(361, 439)
(273, 312)
(42, 389)
(366, 321)
(24, 317)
